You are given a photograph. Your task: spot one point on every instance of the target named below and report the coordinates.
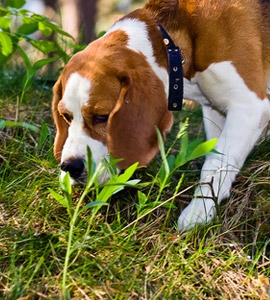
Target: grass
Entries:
(117, 256)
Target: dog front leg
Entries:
(247, 116)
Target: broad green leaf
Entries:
(171, 162)
(42, 62)
(108, 190)
(192, 145)
(58, 29)
(66, 184)
(132, 182)
(6, 44)
(49, 24)
(15, 3)
(142, 198)
(27, 28)
(5, 22)
(202, 149)
(127, 174)
(101, 33)
(61, 199)
(44, 46)
(116, 183)
(44, 28)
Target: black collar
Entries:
(175, 60)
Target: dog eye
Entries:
(98, 119)
(67, 117)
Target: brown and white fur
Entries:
(111, 95)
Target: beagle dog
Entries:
(111, 95)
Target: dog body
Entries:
(111, 95)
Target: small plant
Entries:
(170, 164)
(188, 151)
(102, 195)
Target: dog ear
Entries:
(61, 125)
(141, 106)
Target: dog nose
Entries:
(75, 167)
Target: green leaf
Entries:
(8, 123)
(116, 184)
(48, 24)
(66, 184)
(202, 149)
(142, 198)
(132, 182)
(61, 199)
(181, 157)
(15, 3)
(44, 135)
(6, 44)
(44, 46)
(127, 174)
(28, 28)
(25, 58)
(171, 162)
(44, 28)
(162, 152)
(42, 62)
(89, 164)
(111, 165)
(101, 33)
(94, 204)
(5, 22)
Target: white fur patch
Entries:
(139, 41)
(76, 95)
(246, 118)
(193, 92)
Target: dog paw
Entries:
(198, 212)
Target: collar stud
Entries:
(166, 42)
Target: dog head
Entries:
(110, 98)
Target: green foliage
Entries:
(124, 247)
(11, 35)
(8, 123)
(75, 242)
(118, 182)
(113, 186)
(187, 152)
